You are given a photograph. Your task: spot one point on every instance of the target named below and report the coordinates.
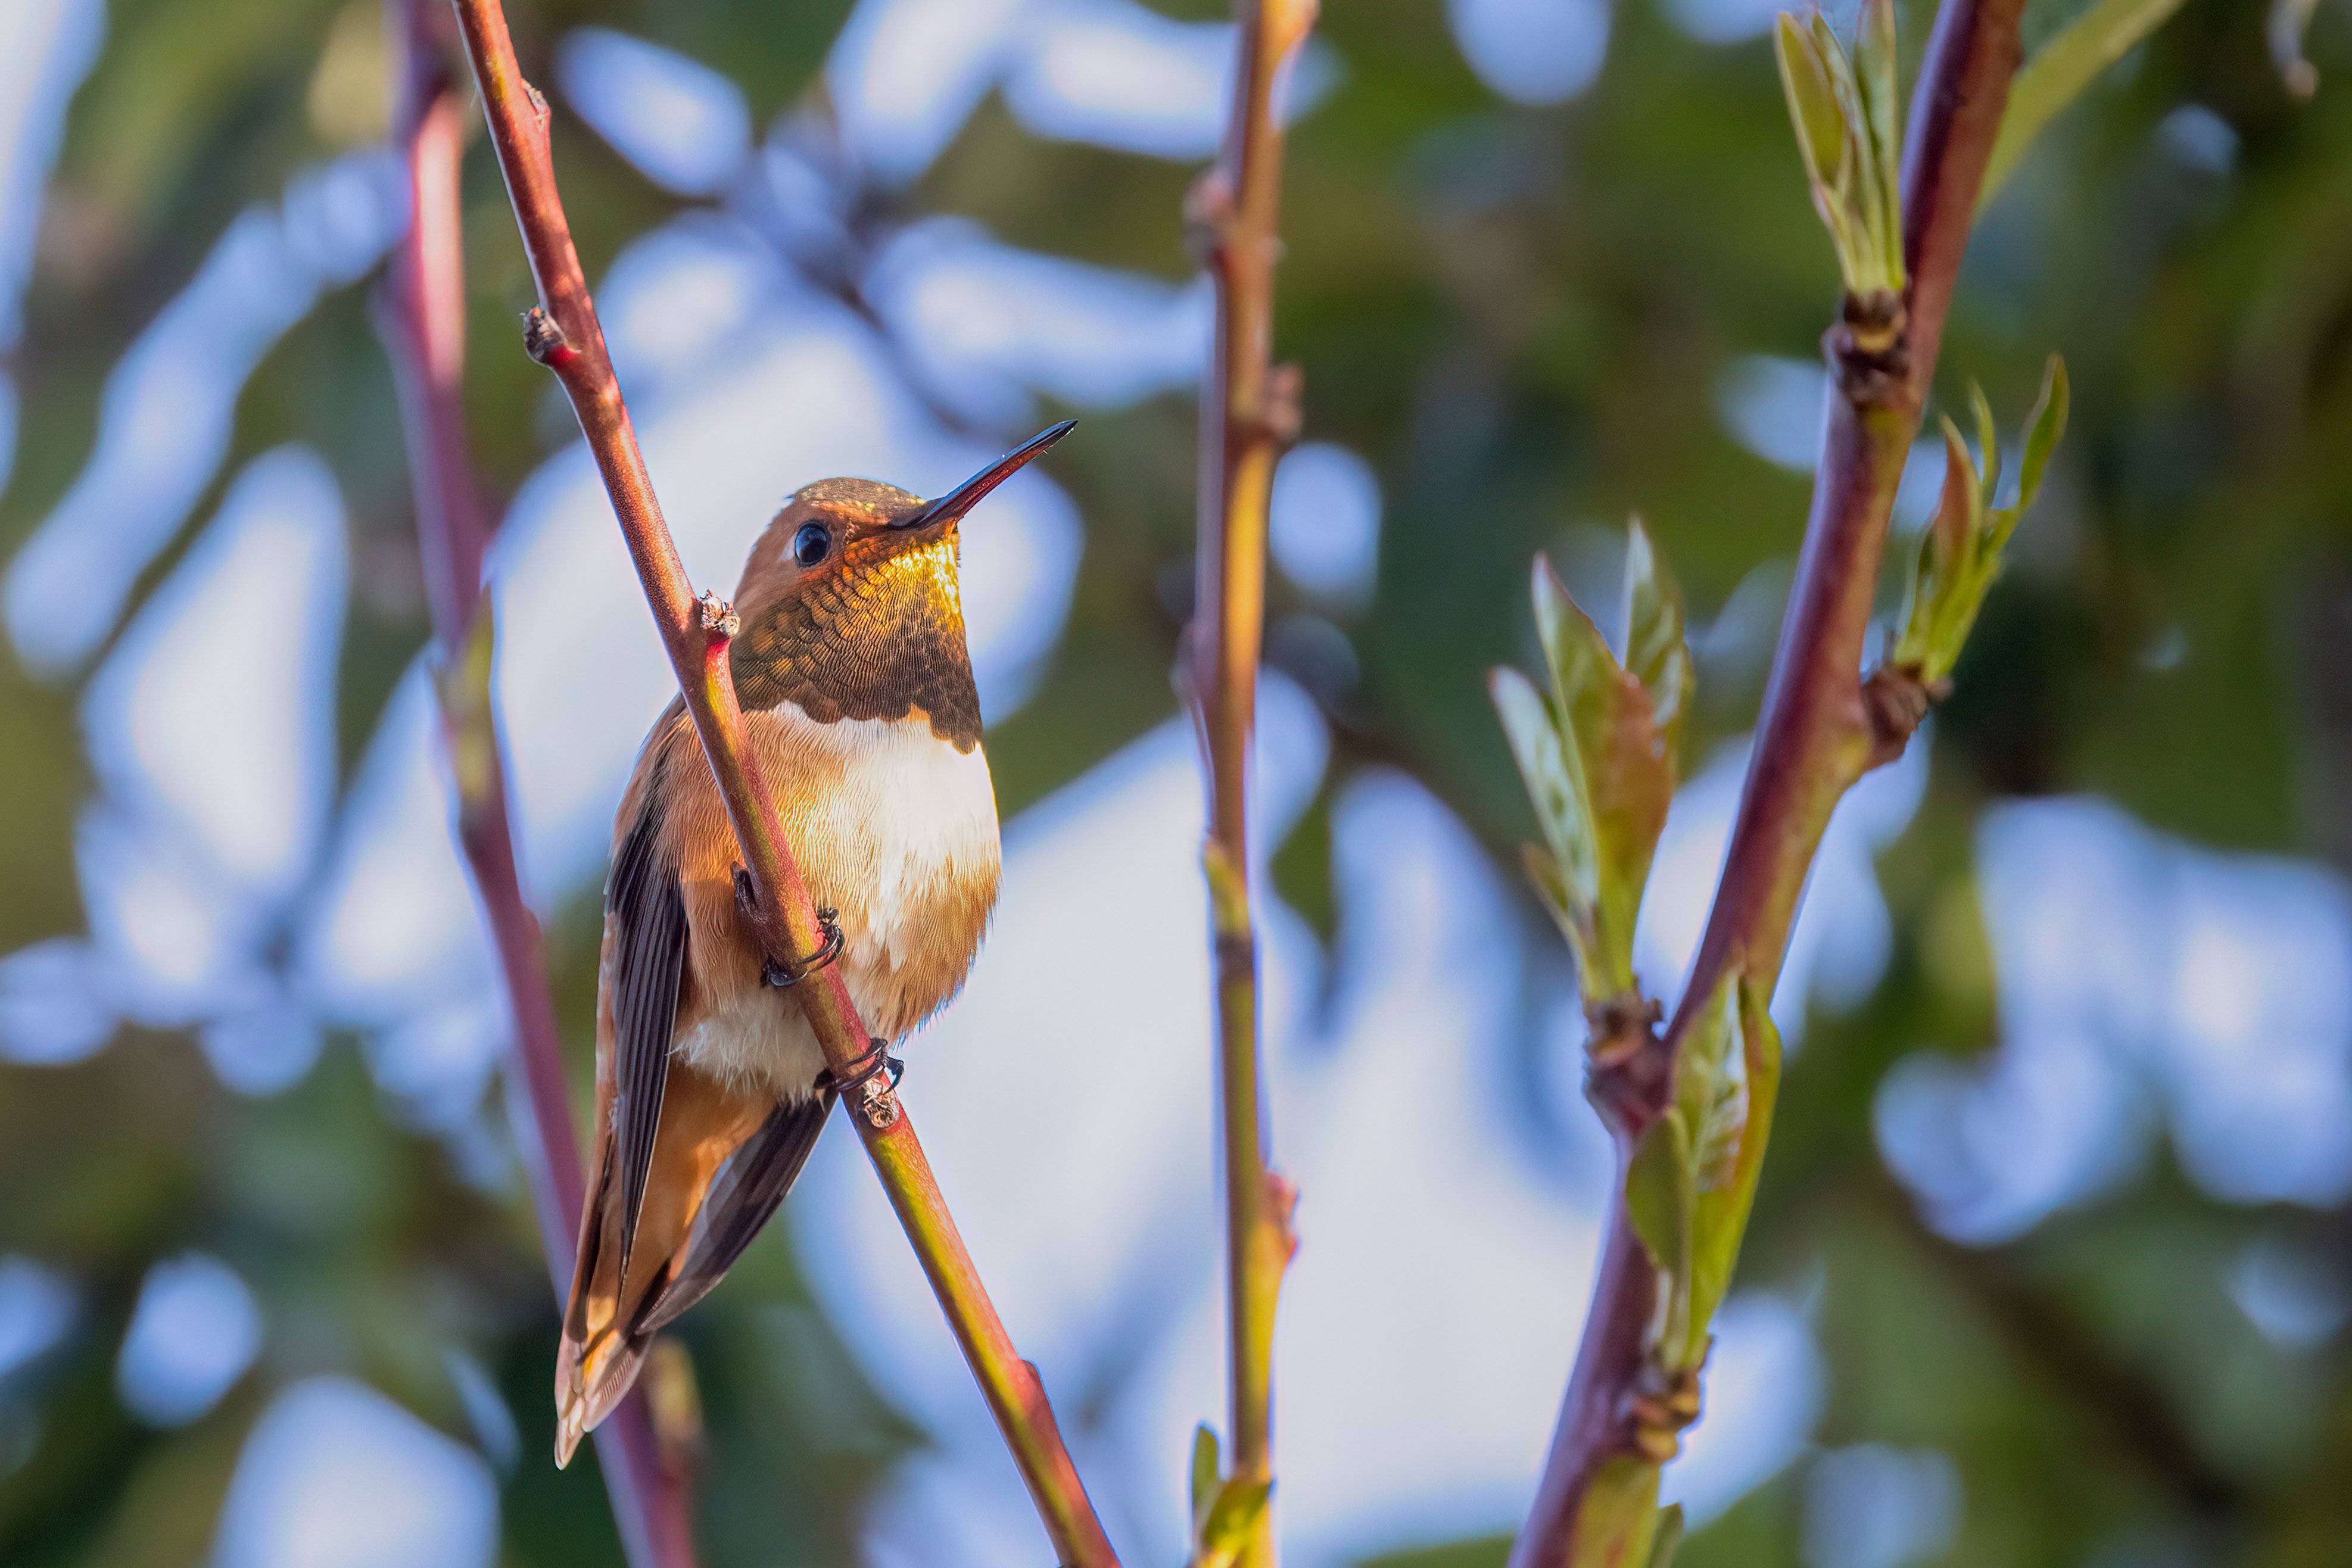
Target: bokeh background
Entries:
(2054, 1258)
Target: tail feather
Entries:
(721, 1163)
(747, 1193)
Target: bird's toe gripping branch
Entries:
(870, 1083)
(782, 977)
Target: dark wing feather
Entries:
(650, 910)
(742, 1196)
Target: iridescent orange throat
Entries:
(879, 636)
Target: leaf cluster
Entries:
(1960, 553)
(1846, 113)
(1599, 755)
(1692, 1177)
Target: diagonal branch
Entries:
(1816, 734)
(563, 334)
(1249, 414)
(422, 319)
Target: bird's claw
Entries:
(871, 1083)
(828, 921)
(877, 1062)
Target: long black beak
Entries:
(966, 495)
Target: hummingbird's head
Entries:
(851, 607)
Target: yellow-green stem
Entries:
(1248, 413)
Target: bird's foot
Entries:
(774, 974)
(828, 947)
(870, 1083)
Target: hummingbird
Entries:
(859, 702)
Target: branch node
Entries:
(719, 618)
(1209, 212)
(1281, 1210)
(1869, 348)
(1658, 1408)
(1628, 1070)
(543, 340)
(868, 1082)
(1895, 700)
(1280, 420)
(878, 1103)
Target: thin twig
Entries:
(1249, 415)
(1815, 736)
(422, 323)
(564, 335)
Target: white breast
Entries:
(909, 812)
(893, 827)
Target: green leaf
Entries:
(1669, 1537)
(1838, 66)
(1719, 1221)
(1566, 869)
(1659, 1200)
(1961, 554)
(1987, 445)
(1846, 112)
(1232, 1516)
(1825, 135)
(1583, 670)
(1708, 1091)
(1544, 871)
(1554, 776)
(2057, 74)
(1954, 526)
(1224, 1511)
(1812, 106)
(1657, 651)
(1206, 1469)
(1600, 757)
(1617, 1524)
(1874, 76)
(2044, 427)
(1631, 752)
(1944, 565)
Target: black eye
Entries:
(812, 544)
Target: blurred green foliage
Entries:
(1520, 317)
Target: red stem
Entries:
(566, 335)
(423, 328)
(1813, 737)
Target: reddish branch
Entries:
(564, 335)
(1816, 734)
(422, 323)
(1249, 415)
